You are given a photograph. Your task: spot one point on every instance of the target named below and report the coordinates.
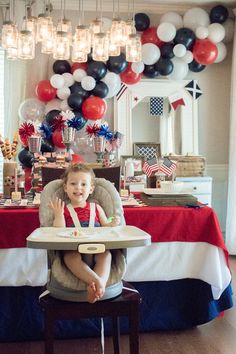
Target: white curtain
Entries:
(231, 206)
(20, 80)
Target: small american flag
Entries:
(150, 166)
(119, 138)
(167, 167)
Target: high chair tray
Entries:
(56, 238)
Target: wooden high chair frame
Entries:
(126, 304)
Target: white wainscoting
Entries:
(219, 173)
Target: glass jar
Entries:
(21, 179)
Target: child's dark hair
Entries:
(77, 167)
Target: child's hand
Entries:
(57, 205)
(115, 221)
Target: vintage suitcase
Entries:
(168, 199)
(189, 165)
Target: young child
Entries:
(78, 185)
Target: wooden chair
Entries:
(126, 304)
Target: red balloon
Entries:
(57, 139)
(129, 77)
(150, 36)
(44, 91)
(94, 108)
(78, 66)
(204, 51)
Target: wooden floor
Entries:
(215, 337)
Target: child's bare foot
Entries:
(99, 288)
(91, 292)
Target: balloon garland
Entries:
(170, 49)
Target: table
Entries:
(185, 268)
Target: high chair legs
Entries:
(126, 304)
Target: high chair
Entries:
(67, 294)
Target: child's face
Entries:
(78, 187)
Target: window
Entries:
(1, 111)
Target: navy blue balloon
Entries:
(75, 101)
(51, 115)
(117, 64)
(186, 37)
(77, 88)
(196, 67)
(96, 69)
(47, 145)
(219, 14)
(142, 21)
(164, 66)
(100, 90)
(151, 71)
(61, 67)
(26, 158)
(167, 51)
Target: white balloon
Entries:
(113, 90)
(107, 22)
(179, 50)
(229, 30)
(79, 74)
(31, 109)
(188, 57)
(57, 81)
(201, 32)
(216, 32)
(196, 17)
(222, 52)
(64, 106)
(88, 83)
(69, 79)
(166, 31)
(63, 93)
(53, 104)
(137, 67)
(180, 70)
(113, 82)
(150, 53)
(172, 17)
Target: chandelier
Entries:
(62, 41)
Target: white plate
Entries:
(153, 191)
(69, 234)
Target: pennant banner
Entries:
(123, 88)
(194, 90)
(176, 100)
(156, 106)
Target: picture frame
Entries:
(147, 150)
(136, 159)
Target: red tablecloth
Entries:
(164, 224)
(16, 225)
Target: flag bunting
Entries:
(176, 100)
(156, 106)
(194, 90)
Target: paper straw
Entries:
(16, 180)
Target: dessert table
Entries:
(183, 276)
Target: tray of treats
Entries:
(29, 202)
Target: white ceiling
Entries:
(156, 6)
